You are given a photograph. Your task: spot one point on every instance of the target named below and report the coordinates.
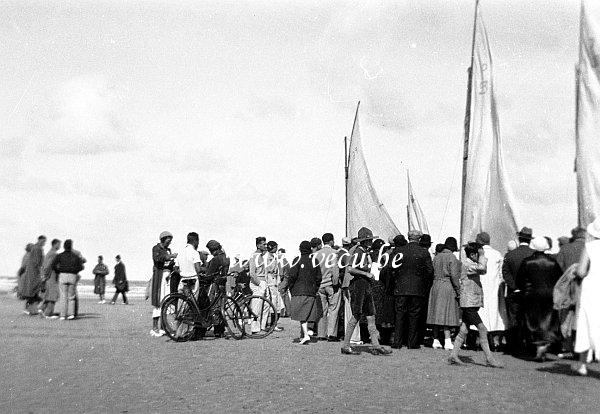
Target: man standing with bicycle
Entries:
(216, 271)
(258, 281)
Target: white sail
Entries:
(416, 218)
(587, 161)
(487, 198)
(363, 206)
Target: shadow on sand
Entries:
(565, 369)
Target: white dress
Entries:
(493, 312)
(588, 315)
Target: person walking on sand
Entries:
(100, 271)
(31, 280)
(120, 281)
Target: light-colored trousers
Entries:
(347, 315)
(263, 314)
(67, 284)
(331, 300)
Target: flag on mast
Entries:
(587, 127)
(416, 218)
(487, 198)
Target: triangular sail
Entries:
(416, 218)
(487, 199)
(363, 208)
(587, 161)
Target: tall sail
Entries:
(487, 198)
(587, 130)
(363, 208)
(416, 218)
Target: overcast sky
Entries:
(123, 119)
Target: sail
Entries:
(587, 130)
(363, 206)
(487, 198)
(416, 218)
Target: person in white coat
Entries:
(493, 313)
(588, 315)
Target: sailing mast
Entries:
(347, 165)
(408, 200)
(467, 124)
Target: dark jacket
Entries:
(218, 266)
(538, 275)
(415, 274)
(67, 262)
(120, 279)
(512, 262)
(304, 278)
(570, 253)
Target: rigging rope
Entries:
(448, 196)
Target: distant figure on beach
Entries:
(50, 281)
(100, 271)
(21, 271)
(120, 281)
(31, 280)
(67, 264)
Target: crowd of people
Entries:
(525, 302)
(45, 280)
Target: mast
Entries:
(408, 200)
(467, 124)
(347, 163)
(346, 179)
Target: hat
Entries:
(365, 234)
(539, 243)
(346, 241)
(483, 238)
(165, 234)
(315, 242)
(578, 232)
(213, 245)
(593, 229)
(414, 235)
(525, 233)
(439, 247)
(118, 257)
(451, 244)
(425, 240)
(400, 240)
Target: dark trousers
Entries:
(114, 299)
(514, 333)
(409, 310)
(174, 282)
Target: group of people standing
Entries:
(44, 280)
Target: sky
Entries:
(123, 119)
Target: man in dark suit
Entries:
(412, 281)
(510, 269)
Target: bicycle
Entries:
(259, 314)
(182, 314)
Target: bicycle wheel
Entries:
(232, 316)
(178, 317)
(259, 316)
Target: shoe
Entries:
(112, 303)
(278, 329)
(51, 317)
(155, 333)
(305, 341)
(102, 302)
(379, 351)
(491, 362)
(448, 345)
(436, 344)
(332, 339)
(62, 318)
(454, 360)
(39, 311)
(310, 333)
(161, 332)
(71, 317)
(356, 342)
(580, 370)
(565, 355)
(348, 350)
(26, 312)
(540, 354)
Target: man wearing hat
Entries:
(344, 254)
(218, 267)
(361, 294)
(570, 253)
(510, 268)
(120, 281)
(163, 264)
(413, 279)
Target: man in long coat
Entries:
(31, 280)
(163, 264)
(120, 281)
(50, 280)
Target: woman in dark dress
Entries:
(304, 281)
